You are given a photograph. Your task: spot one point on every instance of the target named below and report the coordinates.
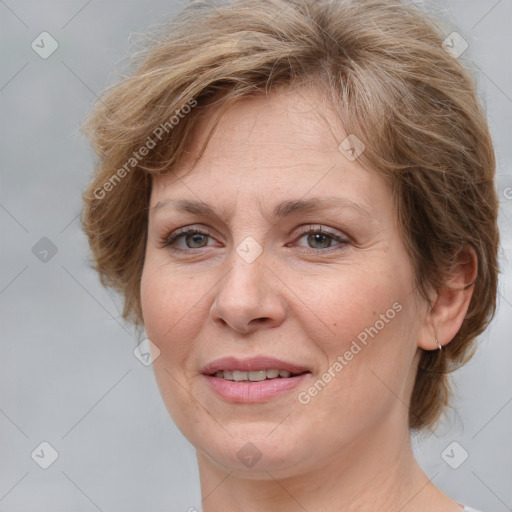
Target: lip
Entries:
(251, 392)
(251, 365)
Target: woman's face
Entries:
(256, 282)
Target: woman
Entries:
(296, 200)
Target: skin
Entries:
(304, 300)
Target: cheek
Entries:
(169, 319)
(157, 302)
(169, 304)
(372, 324)
(340, 306)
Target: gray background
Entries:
(68, 374)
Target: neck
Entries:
(377, 470)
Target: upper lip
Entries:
(251, 364)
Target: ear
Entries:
(450, 304)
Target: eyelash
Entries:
(170, 240)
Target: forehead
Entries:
(280, 124)
(283, 144)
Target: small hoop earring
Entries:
(440, 358)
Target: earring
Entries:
(439, 345)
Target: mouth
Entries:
(259, 379)
(254, 369)
(254, 376)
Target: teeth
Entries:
(258, 375)
(254, 376)
(239, 375)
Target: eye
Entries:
(193, 238)
(319, 239)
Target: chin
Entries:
(253, 463)
(254, 450)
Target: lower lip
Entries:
(260, 391)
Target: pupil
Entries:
(318, 237)
(196, 238)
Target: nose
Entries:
(249, 297)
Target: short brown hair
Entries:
(382, 63)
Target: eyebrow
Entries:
(281, 210)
